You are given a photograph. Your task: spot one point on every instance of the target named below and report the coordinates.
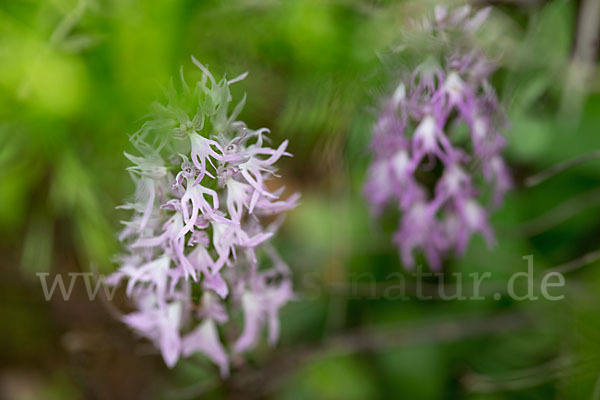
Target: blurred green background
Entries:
(76, 76)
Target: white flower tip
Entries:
(399, 94)
(440, 12)
(237, 79)
(479, 128)
(426, 131)
(474, 23)
(474, 214)
(204, 70)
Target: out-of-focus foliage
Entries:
(76, 76)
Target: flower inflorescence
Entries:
(418, 132)
(198, 222)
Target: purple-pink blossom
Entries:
(417, 131)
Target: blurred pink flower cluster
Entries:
(419, 132)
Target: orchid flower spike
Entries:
(197, 225)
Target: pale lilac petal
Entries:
(216, 283)
(253, 320)
(205, 339)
